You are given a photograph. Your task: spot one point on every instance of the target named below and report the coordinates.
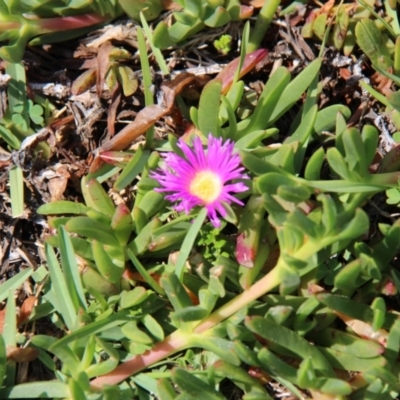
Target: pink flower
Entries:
(201, 178)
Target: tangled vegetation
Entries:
(210, 206)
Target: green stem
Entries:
(264, 285)
(262, 24)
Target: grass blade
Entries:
(65, 305)
(143, 271)
(16, 191)
(10, 337)
(147, 81)
(156, 51)
(188, 242)
(70, 269)
(14, 282)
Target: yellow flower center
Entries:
(207, 186)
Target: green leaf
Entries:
(188, 243)
(99, 199)
(289, 340)
(271, 182)
(92, 229)
(306, 376)
(334, 386)
(16, 191)
(10, 337)
(295, 89)
(141, 242)
(151, 203)
(70, 270)
(10, 322)
(289, 277)
(65, 305)
(209, 108)
(338, 164)
(340, 28)
(302, 135)
(393, 343)
(350, 277)
(349, 362)
(192, 385)
(165, 390)
(116, 319)
(221, 347)
(161, 37)
(76, 391)
(314, 165)
(133, 297)
(132, 170)
(191, 313)
(128, 80)
(96, 284)
(145, 274)
(153, 327)
(356, 227)
(370, 139)
(122, 223)
(151, 38)
(101, 368)
(371, 41)
(132, 332)
(230, 131)
(62, 207)
(355, 152)
(294, 194)
(245, 354)
(346, 343)
(319, 26)
(277, 367)
(105, 264)
(266, 104)
(379, 310)
(45, 390)
(249, 232)
(146, 9)
(326, 118)
(9, 137)
(176, 292)
(17, 87)
(253, 139)
(14, 283)
(167, 241)
(217, 18)
(347, 306)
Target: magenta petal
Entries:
(177, 173)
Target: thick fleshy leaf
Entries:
(288, 339)
(192, 385)
(92, 229)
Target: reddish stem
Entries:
(170, 345)
(68, 23)
(8, 25)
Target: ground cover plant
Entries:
(199, 197)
